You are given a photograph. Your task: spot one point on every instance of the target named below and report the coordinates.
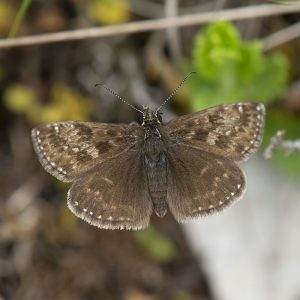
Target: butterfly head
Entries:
(150, 117)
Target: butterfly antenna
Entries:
(176, 90)
(119, 97)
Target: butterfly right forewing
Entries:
(234, 131)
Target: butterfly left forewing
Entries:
(234, 131)
(200, 183)
(68, 149)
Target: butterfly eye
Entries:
(159, 116)
(140, 118)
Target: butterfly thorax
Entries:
(155, 163)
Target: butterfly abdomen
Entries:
(156, 170)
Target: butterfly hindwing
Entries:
(208, 183)
(68, 149)
(114, 195)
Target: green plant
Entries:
(232, 70)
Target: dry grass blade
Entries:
(151, 25)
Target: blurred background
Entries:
(250, 251)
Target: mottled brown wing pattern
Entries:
(114, 195)
(114, 166)
(208, 183)
(68, 149)
(234, 131)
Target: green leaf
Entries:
(231, 70)
(271, 82)
(214, 49)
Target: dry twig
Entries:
(277, 142)
(281, 36)
(151, 25)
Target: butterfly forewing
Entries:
(68, 149)
(114, 195)
(232, 131)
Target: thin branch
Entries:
(277, 142)
(150, 25)
(281, 37)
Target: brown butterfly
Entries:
(121, 173)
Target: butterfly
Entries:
(122, 173)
